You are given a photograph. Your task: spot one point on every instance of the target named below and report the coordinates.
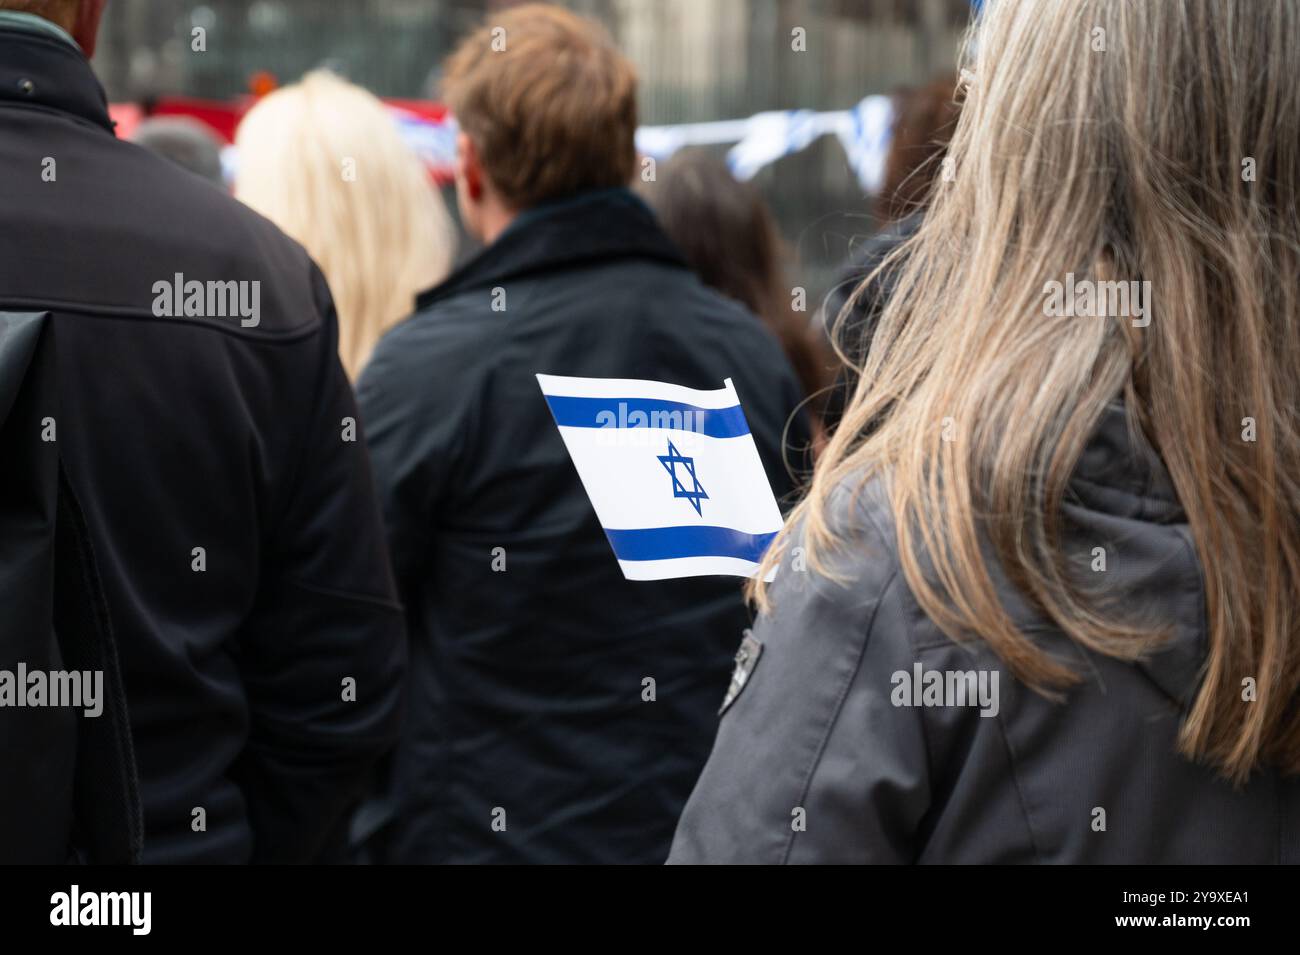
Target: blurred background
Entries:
(699, 60)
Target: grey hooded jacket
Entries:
(823, 755)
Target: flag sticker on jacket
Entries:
(673, 474)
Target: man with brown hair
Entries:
(557, 712)
(547, 108)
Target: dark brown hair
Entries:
(549, 102)
(924, 120)
(729, 238)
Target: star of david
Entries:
(670, 461)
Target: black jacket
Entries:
(817, 761)
(526, 682)
(199, 432)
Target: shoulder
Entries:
(810, 731)
(854, 563)
(451, 329)
(231, 240)
(160, 226)
(428, 368)
(830, 601)
(685, 321)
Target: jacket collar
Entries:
(45, 71)
(31, 23)
(587, 228)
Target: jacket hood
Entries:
(1121, 498)
(1126, 541)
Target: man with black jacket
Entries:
(557, 712)
(209, 434)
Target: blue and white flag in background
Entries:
(673, 474)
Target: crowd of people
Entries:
(1033, 601)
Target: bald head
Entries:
(79, 17)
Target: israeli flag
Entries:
(673, 474)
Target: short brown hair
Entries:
(549, 102)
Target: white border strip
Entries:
(674, 567)
(559, 385)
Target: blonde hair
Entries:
(323, 159)
(1111, 139)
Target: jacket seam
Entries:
(1020, 795)
(133, 314)
(834, 716)
(50, 110)
(352, 596)
(316, 410)
(931, 775)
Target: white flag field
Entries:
(672, 473)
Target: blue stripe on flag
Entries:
(573, 412)
(664, 543)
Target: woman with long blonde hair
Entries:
(1039, 604)
(324, 160)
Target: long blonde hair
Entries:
(324, 161)
(1116, 140)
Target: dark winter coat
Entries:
(529, 650)
(233, 519)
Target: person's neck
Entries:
(495, 222)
